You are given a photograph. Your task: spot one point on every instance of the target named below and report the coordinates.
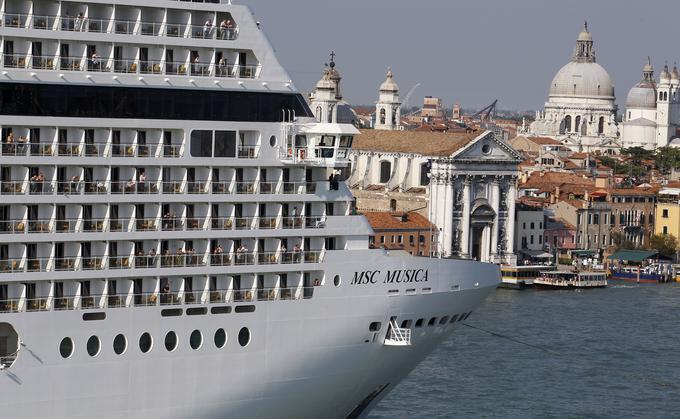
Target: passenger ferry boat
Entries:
(570, 280)
(170, 246)
(522, 277)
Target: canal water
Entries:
(605, 353)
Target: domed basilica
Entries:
(581, 109)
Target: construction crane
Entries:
(486, 114)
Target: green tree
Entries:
(665, 244)
(667, 158)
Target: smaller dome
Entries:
(325, 83)
(665, 74)
(675, 75)
(641, 97)
(389, 85)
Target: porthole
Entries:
(196, 339)
(93, 346)
(66, 348)
(244, 336)
(171, 341)
(486, 148)
(220, 338)
(145, 342)
(272, 141)
(374, 327)
(119, 344)
(444, 320)
(337, 280)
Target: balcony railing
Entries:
(151, 186)
(166, 261)
(153, 299)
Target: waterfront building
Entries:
(560, 235)
(407, 231)
(652, 116)
(529, 228)
(465, 182)
(667, 212)
(581, 108)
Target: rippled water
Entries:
(613, 352)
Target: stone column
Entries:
(448, 215)
(465, 220)
(496, 205)
(510, 232)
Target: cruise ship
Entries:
(175, 241)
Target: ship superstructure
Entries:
(171, 243)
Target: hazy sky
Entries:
(470, 52)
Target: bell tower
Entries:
(324, 101)
(388, 108)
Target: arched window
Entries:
(330, 114)
(660, 95)
(382, 116)
(385, 171)
(424, 174)
(567, 124)
(600, 126)
(577, 126)
(393, 204)
(318, 114)
(394, 117)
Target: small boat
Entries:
(571, 280)
(651, 274)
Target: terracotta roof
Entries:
(552, 224)
(570, 165)
(392, 221)
(418, 142)
(632, 191)
(553, 179)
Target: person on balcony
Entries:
(222, 67)
(152, 257)
(296, 253)
(75, 179)
(207, 28)
(142, 181)
(80, 22)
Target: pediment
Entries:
(488, 147)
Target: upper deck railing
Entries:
(226, 31)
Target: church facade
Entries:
(581, 108)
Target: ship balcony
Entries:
(178, 259)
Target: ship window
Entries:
(453, 318)
(419, 322)
(374, 327)
(220, 310)
(66, 348)
(201, 143)
(432, 321)
(220, 338)
(272, 141)
(444, 320)
(93, 346)
(225, 143)
(119, 344)
(196, 339)
(145, 342)
(244, 336)
(171, 341)
(147, 103)
(406, 324)
(337, 280)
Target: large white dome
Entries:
(582, 79)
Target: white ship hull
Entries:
(307, 358)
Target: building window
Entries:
(532, 226)
(422, 239)
(596, 218)
(664, 213)
(382, 239)
(400, 239)
(540, 239)
(665, 229)
(385, 171)
(424, 174)
(382, 116)
(600, 126)
(531, 239)
(392, 239)
(411, 239)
